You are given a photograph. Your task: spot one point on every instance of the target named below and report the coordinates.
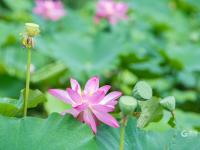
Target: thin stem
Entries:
(27, 82)
(122, 132)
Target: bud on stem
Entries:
(127, 105)
(31, 30)
(142, 91)
(168, 103)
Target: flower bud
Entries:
(168, 103)
(32, 29)
(127, 104)
(142, 91)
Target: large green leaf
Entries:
(173, 139)
(55, 105)
(35, 97)
(6, 82)
(187, 55)
(8, 58)
(188, 120)
(80, 52)
(13, 107)
(9, 107)
(54, 133)
(151, 112)
(184, 120)
(48, 72)
(8, 37)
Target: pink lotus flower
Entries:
(110, 10)
(50, 9)
(90, 105)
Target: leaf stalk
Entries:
(27, 82)
(122, 132)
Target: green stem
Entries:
(27, 82)
(122, 132)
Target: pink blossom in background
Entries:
(50, 9)
(111, 10)
(90, 105)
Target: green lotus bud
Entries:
(127, 104)
(168, 103)
(142, 91)
(32, 29)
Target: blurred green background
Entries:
(159, 43)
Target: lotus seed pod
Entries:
(142, 91)
(127, 104)
(168, 103)
(32, 29)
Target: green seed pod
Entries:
(168, 103)
(32, 29)
(142, 91)
(127, 104)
